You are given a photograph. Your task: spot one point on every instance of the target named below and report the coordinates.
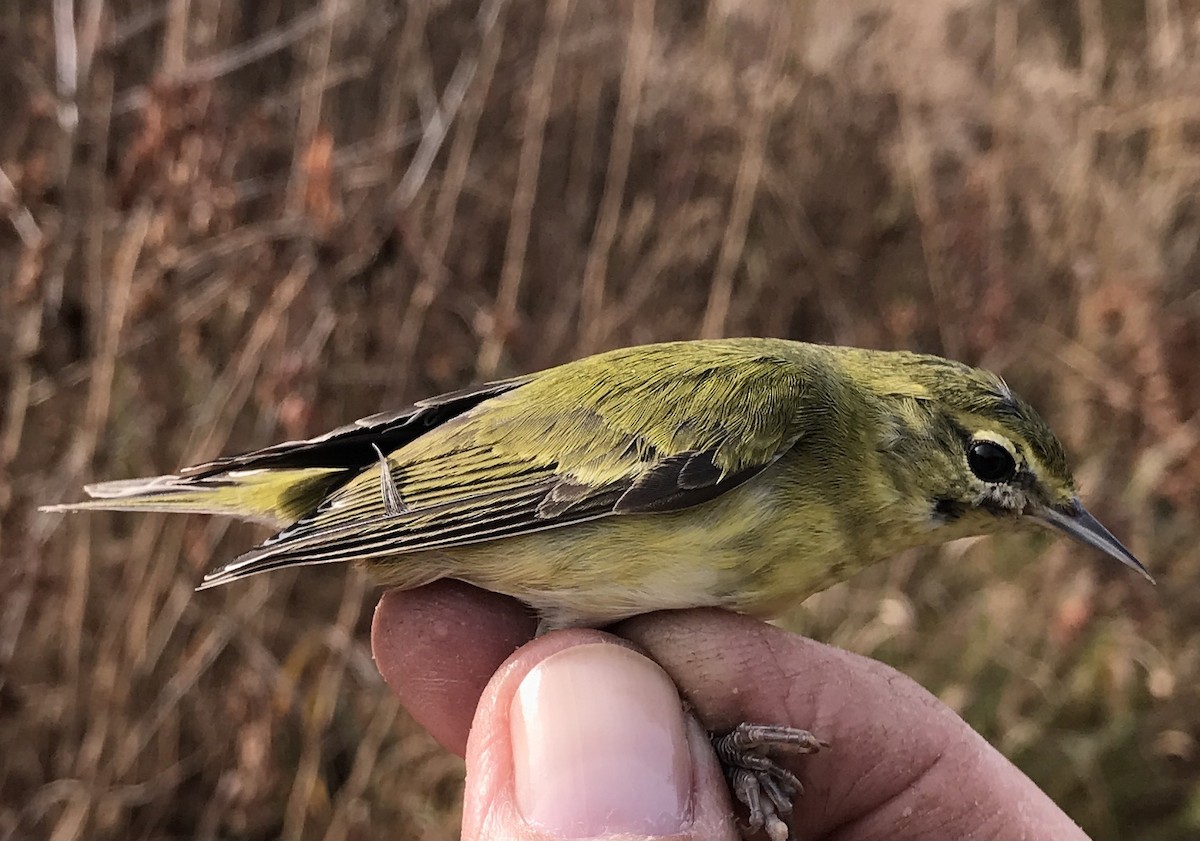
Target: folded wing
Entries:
(608, 435)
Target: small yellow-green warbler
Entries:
(741, 473)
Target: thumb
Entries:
(580, 736)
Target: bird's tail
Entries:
(274, 496)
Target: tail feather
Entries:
(235, 571)
(276, 497)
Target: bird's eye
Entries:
(990, 462)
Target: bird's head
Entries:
(989, 458)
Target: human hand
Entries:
(579, 735)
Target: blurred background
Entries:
(224, 224)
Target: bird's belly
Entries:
(736, 552)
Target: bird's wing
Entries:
(604, 436)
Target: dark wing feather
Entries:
(655, 438)
(681, 481)
(354, 445)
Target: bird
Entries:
(743, 473)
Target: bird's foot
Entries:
(760, 783)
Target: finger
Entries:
(437, 646)
(902, 764)
(580, 736)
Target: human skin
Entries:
(902, 765)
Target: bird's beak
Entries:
(1073, 519)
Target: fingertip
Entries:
(437, 646)
(581, 736)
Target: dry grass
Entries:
(231, 223)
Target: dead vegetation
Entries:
(233, 223)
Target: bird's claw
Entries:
(761, 784)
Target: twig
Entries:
(308, 121)
(916, 147)
(66, 58)
(322, 704)
(228, 394)
(443, 115)
(434, 134)
(595, 272)
(167, 698)
(366, 755)
(22, 220)
(434, 274)
(533, 132)
(745, 188)
(95, 418)
(90, 19)
(173, 54)
(133, 24)
(1164, 19)
(237, 57)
